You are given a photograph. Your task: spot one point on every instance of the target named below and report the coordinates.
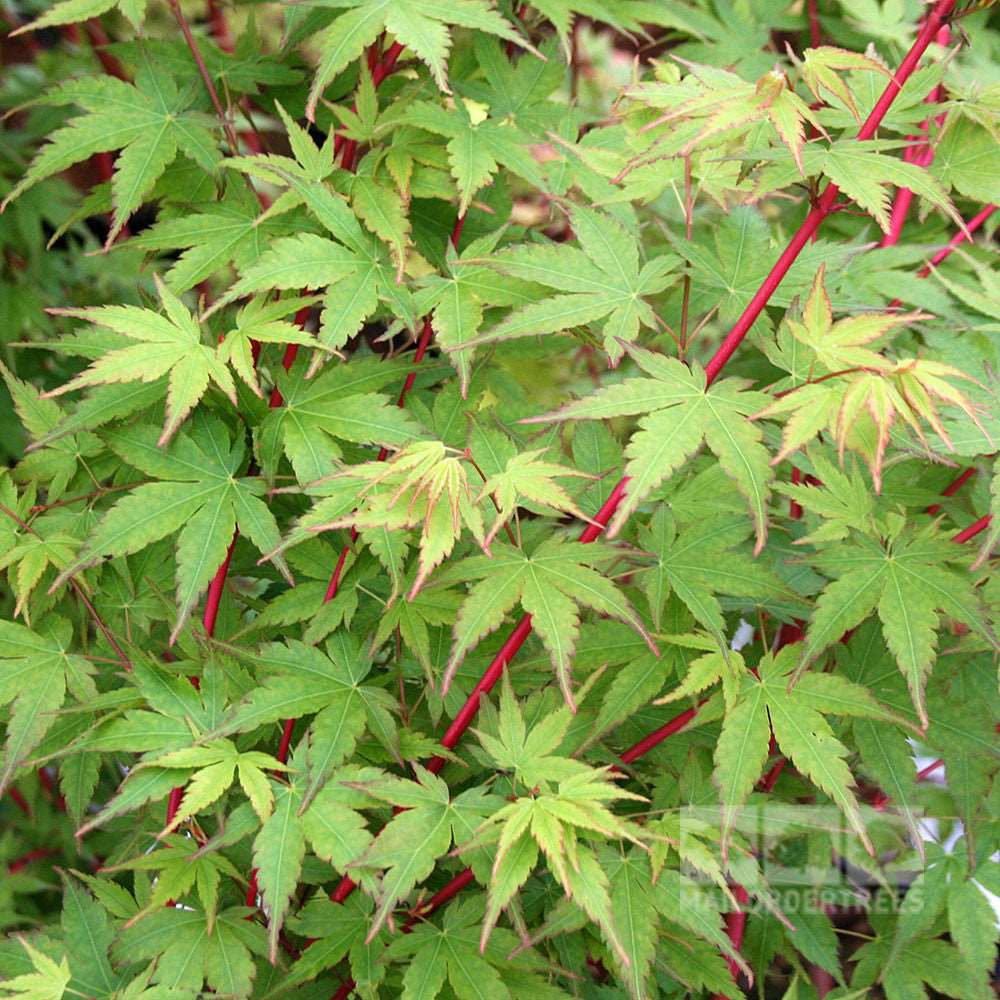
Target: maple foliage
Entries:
(499, 499)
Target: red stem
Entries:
(815, 34)
(952, 488)
(826, 200)
(919, 152)
(958, 239)
(219, 27)
(98, 40)
(736, 922)
(973, 529)
(19, 864)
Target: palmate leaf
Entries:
(551, 584)
(167, 345)
(357, 278)
(476, 147)
(451, 954)
(860, 408)
(197, 494)
(700, 561)
(149, 122)
(527, 477)
(421, 25)
(57, 462)
(841, 345)
(681, 414)
(230, 231)
(189, 953)
(724, 104)
(461, 298)
(48, 981)
(343, 403)
(865, 174)
(297, 680)
(36, 667)
(217, 763)
(908, 579)
(428, 822)
(74, 11)
(819, 68)
(600, 280)
(796, 717)
(278, 850)
(424, 485)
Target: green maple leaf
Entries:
(410, 844)
(354, 268)
(167, 345)
(551, 584)
(423, 484)
(298, 680)
(803, 735)
(725, 105)
(729, 261)
(865, 174)
(49, 981)
(182, 869)
(73, 11)
(842, 501)
(342, 403)
(230, 231)
(214, 765)
(460, 298)
(644, 906)
(55, 463)
(45, 546)
(432, 607)
(278, 850)
(832, 347)
(149, 122)
(451, 954)
(700, 561)
(477, 145)
(568, 804)
(189, 952)
(600, 280)
(963, 159)
(521, 90)
(526, 477)
(909, 580)
(36, 668)
(680, 414)
(263, 322)
(198, 494)
(528, 755)
(421, 25)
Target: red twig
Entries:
(919, 152)
(815, 33)
(99, 41)
(952, 488)
(19, 864)
(827, 199)
(958, 239)
(973, 529)
(219, 26)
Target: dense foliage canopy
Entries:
(499, 499)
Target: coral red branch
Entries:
(952, 488)
(973, 529)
